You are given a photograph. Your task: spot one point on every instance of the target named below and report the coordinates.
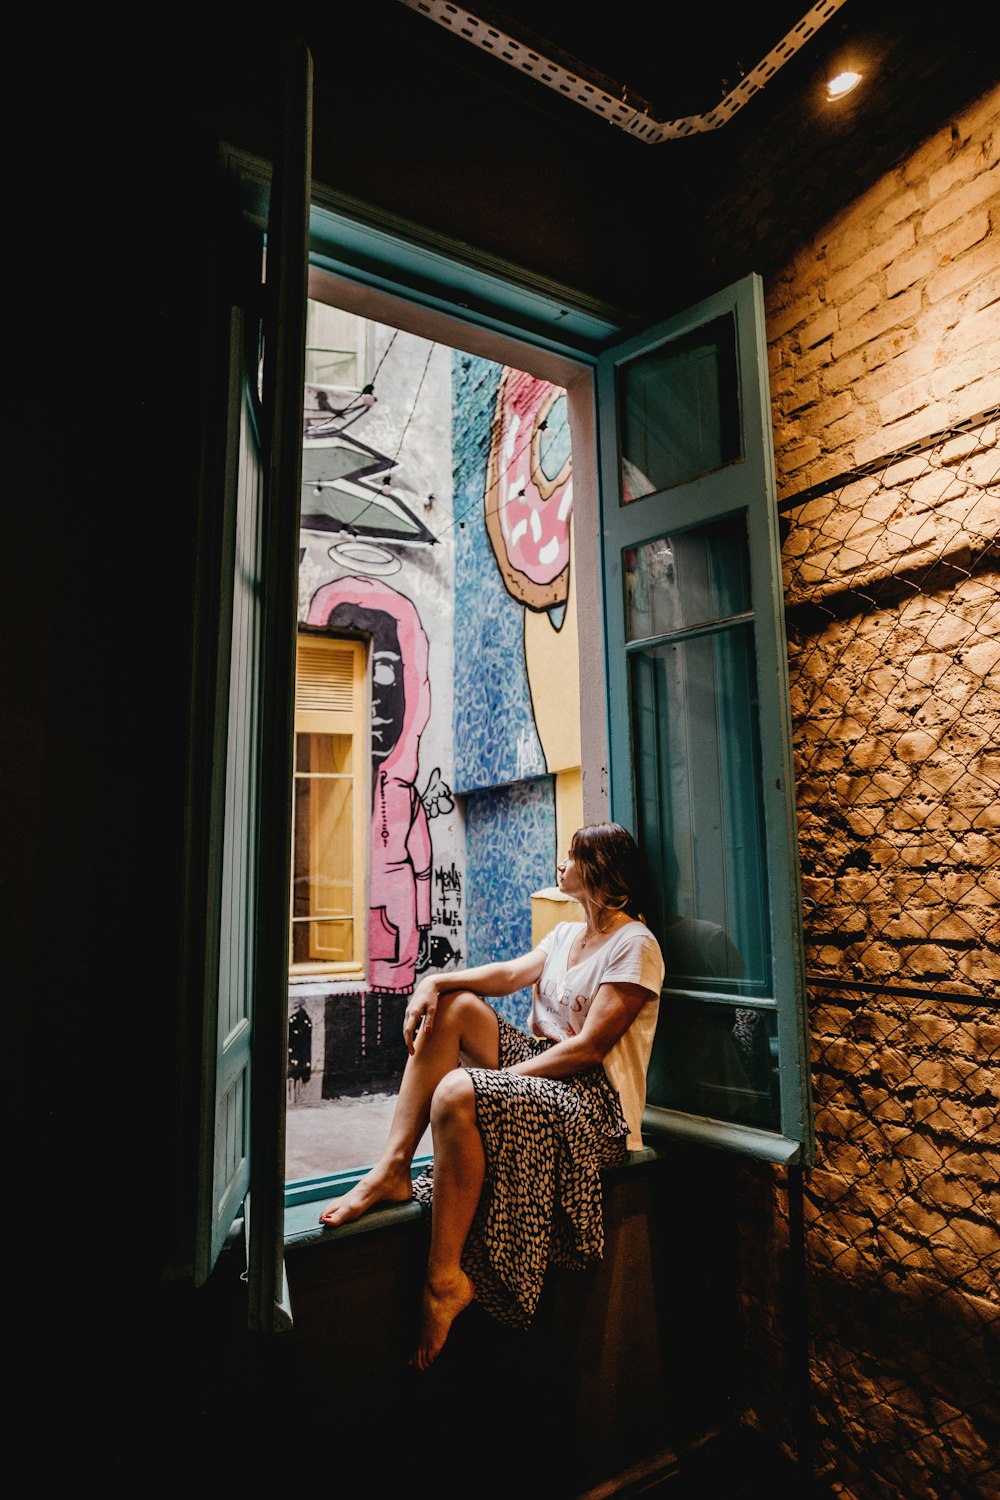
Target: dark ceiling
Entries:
(678, 59)
(781, 165)
(416, 123)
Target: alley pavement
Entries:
(337, 1134)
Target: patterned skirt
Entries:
(546, 1142)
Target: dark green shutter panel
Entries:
(699, 723)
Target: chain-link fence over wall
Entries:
(892, 589)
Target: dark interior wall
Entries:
(109, 262)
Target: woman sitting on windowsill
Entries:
(523, 1125)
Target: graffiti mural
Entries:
(516, 678)
(494, 727)
(436, 521)
(400, 846)
(510, 852)
(443, 951)
(528, 501)
(299, 1050)
(528, 507)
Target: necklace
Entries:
(596, 931)
(590, 937)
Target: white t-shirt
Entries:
(563, 996)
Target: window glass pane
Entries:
(331, 839)
(322, 942)
(717, 1060)
(334, 347)
(676, 582)
(697, 763)
(324, 754)
(678, 410)
(322, 852)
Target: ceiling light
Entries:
(842, 84)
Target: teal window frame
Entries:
(741, 485)
(408, 267)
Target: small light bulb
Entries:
(842, 84)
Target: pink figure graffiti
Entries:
(400, 854)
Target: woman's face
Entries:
(569, 877)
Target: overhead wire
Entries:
(458, 518)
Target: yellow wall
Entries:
(548, 907)
(569, 808)
(552, 660)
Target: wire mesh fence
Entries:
(892, 587)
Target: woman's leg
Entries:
(459, 1169)
(464, 1027)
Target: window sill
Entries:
(762, 1145)
(301, 1199)
(661, 1127)
(301, 1228)
(327, 984)
(302, 1196)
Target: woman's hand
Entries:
(419, 1013)
(483, 979)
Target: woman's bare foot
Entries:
(377, 1186)
(441, 1306)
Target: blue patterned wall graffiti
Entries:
(495, 737)
(510, 852)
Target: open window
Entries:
(241, 711)
(699, 722)
(684, 708)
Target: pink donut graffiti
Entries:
(529, 490)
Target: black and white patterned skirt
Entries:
(546, 1142)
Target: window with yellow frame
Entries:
(329, 826)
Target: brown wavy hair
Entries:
(611, 868)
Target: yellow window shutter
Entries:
(329, 684)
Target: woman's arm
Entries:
(485, 979)
(614, 1008)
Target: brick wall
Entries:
(884, 337)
